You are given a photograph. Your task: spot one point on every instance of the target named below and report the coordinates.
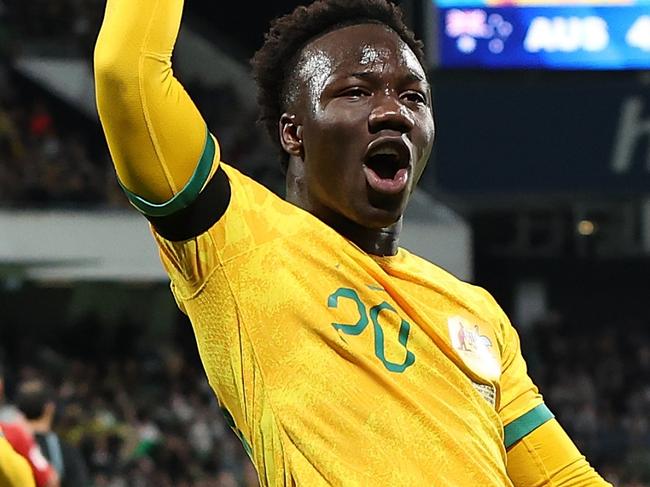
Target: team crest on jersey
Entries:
(474, 347)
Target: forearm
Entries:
(154, 132)
(548, 457)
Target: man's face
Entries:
(364, 110)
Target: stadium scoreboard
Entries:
(544, 34)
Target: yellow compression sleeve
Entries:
(14, 469)
(548, 457)
(155, 133)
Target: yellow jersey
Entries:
(337, 367)
(14, 469)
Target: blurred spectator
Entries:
(14, 428)
(37, 403)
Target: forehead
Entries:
(366, 46)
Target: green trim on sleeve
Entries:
(186, 195)
(526, 423)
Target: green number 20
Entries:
(360, 325)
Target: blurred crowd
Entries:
(73, 23)
(145, 421)
(595, 377)
(51, 156)
(49, 152)
(47, 162)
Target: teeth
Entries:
(386, 151)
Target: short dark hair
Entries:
(32, 396)
(274, 63)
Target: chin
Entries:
(377, 218)
(383, 211)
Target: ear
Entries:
(291, 135)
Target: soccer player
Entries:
(339, 357)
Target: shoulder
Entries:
(253, 201)
(469, 295)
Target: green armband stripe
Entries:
(526, 423)
(186, 195)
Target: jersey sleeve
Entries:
(521, 407)
(24, 443)
(202, 211)
(254, 217)
(547, 456)
(157, 138)
(14, 469)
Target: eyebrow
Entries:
(412, 76)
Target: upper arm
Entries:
(155, 133)
(521, 407)
(548, 457)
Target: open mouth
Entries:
(387, 166)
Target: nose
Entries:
(390, 114)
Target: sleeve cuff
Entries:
(526, 423)
(186, 195)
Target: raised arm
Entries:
(157, 138)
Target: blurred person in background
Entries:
(14, 469)
(36, 400)
(14, 428)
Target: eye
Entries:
(415, 97)
(355, 92)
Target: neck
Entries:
(375, 241)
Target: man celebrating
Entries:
(334, 352)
